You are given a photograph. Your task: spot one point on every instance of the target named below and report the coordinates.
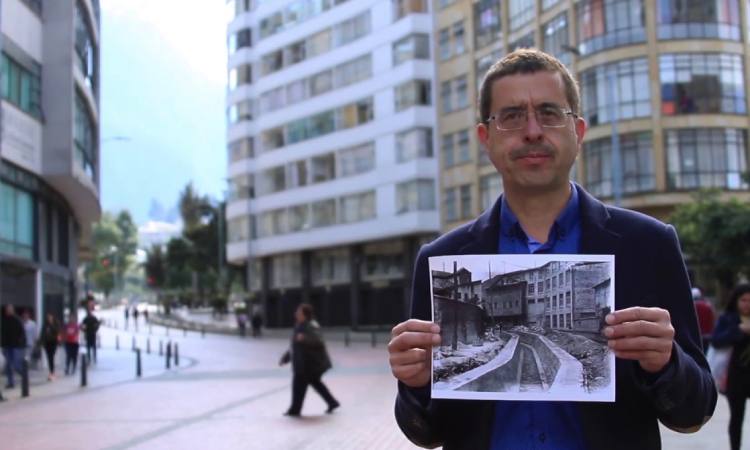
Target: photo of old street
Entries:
(522, 333)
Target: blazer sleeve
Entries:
(683, 393)
(412, 408)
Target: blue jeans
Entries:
(13, 358)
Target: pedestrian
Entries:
(733, 330)
(145, 314)
(13, 342)
(72, 333)
(90, 326)
(706, 317)
(256, 322)
(50, 339)
(242, 322)
(127, 316)
(31, 331)
(530, 128)
(135, 314)
(309, 359)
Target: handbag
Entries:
(718, 361)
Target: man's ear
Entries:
(483, 134)
(581, 127)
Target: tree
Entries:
(155, 270)
(715, 236)
(114, 242)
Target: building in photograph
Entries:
(49, 151)
(670, 76)
(331, 168)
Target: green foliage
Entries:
(155, 267)
(715, 235)
(114, 242)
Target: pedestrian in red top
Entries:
(72, 331)
(706, 317)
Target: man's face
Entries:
(533, 158)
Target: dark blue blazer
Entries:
(649, 271)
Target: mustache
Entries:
(537, 150)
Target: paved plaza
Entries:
(227, 393)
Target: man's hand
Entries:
(410, 351)
(745, 327)
(642, 334)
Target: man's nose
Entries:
(533, 130)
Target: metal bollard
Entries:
(138, 362)
(161, 348)
(24, 378)
(84, 366)
(374, 339)
(148, 345)
(169, 354)
(132, 346)
(117, 342)
(176, 355)
(346, 338)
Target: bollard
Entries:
(169, 353)
(138, 362)
(346, 338)
(117, 342)
(148, 346)
(84, 365)
(161, 348)
(374, 339)
(132, 346)
(24, 378)
(176, 355)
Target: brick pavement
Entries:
(229, 393)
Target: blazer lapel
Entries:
(596, 237)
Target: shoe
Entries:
(291, 414)
(332, 406)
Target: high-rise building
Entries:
(331, 126)
(49, 152)
(671, 76)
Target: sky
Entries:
(163, 86)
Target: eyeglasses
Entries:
(548, 116)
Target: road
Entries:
(227, 393)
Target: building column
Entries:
(410, 253)
(265, 266)
(39, 298)
(355, 260)
(306, 258)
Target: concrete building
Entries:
(49, 151)
(680, 68)
(330, 139)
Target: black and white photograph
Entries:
(522, 327)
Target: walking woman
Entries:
(309, 359)
(50, 338)
(72, 331)
(733, 330)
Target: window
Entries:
(448, 151)
(323, 168)
(272, 180)
(450, 200)
(699, 83)
(293, 14)
(415, 46)
(299, 218)
(16, 222)
(415, 195)
(633, 92)
(241, 111)
(706, 158)
(240, 39)
(321, 83)
(402, 8)
(525, 41)
(555, 38)
(63, 237)
(357, 207)
(84, 48)
(466, 201)
(685, 19)
(456, 148)
(446, 96)
(605, 24)
(457, 203)
(444, 43)
(459, 44)
(273, 138)
(414, 143)
(636, 153)
(273, 62)
(490, 188)
(286, 271)
(324, 213)
(352, 71)
(241, 149)
(296, 174)
(240, 75)
(330, 266)
(412, 93)
(546, 4)
(487, 29)
(21, 87)
(241, 187)
(484, 63)
(84, 137)
(383, 260)
(238, 229)
(454, 94)
(520, 13)
(462, 94)
(351, 30)
(356, 160)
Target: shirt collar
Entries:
(510, 227)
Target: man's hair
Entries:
(307, 310)
(526, 61)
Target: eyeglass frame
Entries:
(566, 112)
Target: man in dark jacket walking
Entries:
(13, 342)
(309, 359)
(90, 326)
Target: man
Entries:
(532, 133)
(90, 326)
(13, 342)
(31, 332)
(706, 317)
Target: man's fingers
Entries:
(641, 344)
(411, 356)
(409, 340)
(639, 355)
(408, 371)
(415, 325)
(639, 328)
(638, 313)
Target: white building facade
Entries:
(49, 152)
(331, 162)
